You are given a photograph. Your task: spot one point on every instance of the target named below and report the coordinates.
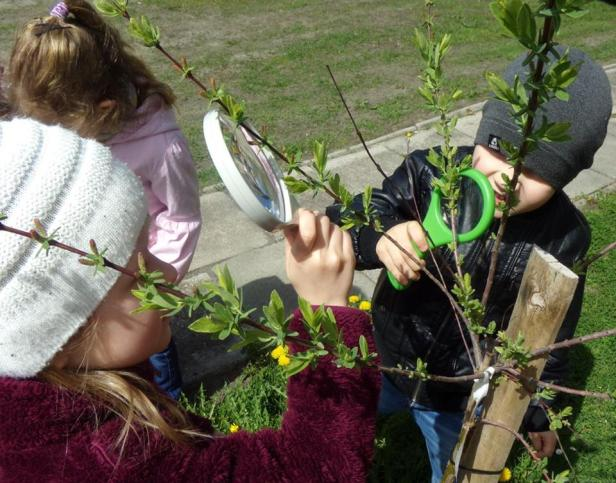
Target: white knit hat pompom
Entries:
(75, 188)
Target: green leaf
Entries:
(421, 368)
(296, 365)
(225, 333)
(506, 12)
(330, 326)
(143, 30)
(526, 27)
(252, 336)
(367, 199)
(545, 394)
(576, 13)
(556, 425)
(225, 279)
(500, 88)
(421, 41)
(426, 94)
(207, 325)
(562, 95)
(562, 477)
(306, 310)
(363, 347)
(557, 132)
(111, 8)
(320, 157)
(296, 186)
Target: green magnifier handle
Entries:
(440, 234)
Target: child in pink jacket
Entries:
(73, 69)
(154, 148)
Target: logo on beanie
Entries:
(494, 142)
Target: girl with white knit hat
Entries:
(72, 406)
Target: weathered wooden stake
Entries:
(543, 300)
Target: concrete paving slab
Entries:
(427, 138)
(605, 158)
(468, 124)
(587, 182)
(226, 231)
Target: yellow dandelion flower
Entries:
(234, 428)
(353, 299)
(279, 351)
(284, 360)
(505, 474)
(365, 305)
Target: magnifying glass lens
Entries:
(257, 165)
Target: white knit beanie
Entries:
(74, 186)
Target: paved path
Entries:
(256, 259)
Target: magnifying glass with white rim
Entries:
(249, 171)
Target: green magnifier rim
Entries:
(440, 234)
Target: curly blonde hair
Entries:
(61, 69)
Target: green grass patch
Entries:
(257, 398)
(254, 400)
(273, 55)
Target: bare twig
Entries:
(76, 251)
(517, 435)
(529, 449)
(521, 439)
(534, 383)
(572, 342)
(438, 378)
(357, 131)
(592, 259)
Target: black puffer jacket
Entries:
(419, 322)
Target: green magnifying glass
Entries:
(440, 234)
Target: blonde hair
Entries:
(136, 401)
(61, 69)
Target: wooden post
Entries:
(543, 300)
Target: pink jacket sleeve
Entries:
(174, 231)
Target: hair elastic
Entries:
(60, 10)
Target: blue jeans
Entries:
(440, 429)
(167, 371)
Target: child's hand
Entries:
(400, 265)
(544, 443)
(319, 259)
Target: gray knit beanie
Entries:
(588, 110)
(74, 186)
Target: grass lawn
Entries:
(256, 399)
(273, 54)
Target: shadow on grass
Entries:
(576, 446)
(400, 453)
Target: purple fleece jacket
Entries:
(47, 434)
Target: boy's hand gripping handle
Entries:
(440, 234)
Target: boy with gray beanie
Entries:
(419, 322)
